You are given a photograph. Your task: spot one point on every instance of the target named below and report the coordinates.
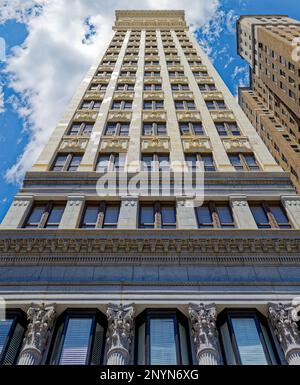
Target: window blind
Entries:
(162, 342)
(4, 331)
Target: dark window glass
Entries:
(35, 217)
(147, 217)
(204, 217)
(75, 162)
(260, 217)
(236, 162)
(111, 217)
(280, 216)
(168, 217)
(55, 216)
(225, 216)
(59, 162)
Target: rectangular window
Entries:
(152, 87)
(121, 105)
(110, 162)
(153, 105)
(157, 215)
(91, 105)
(269, 216)
(155, 162)
(101, 215)
(228, 129)
(216, 105)
(45, 216)
(185, 105)
(81, 129)
(154, 129)
(117, 129)
(215, 215)
(67, 162)
(191, 128)
(125, 87)
(205, 161)
(244, 162)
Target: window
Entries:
(207, 87)
(191, 128)
(98, 87)
(128, 74)
(155, 162)
(244, 162)
(117, 129)
(45, 215)
(79, 338)
(104, 73)
(151, 63)
(67, 162)
(121, 105)
(110, 162)
(152, 87)
(90, 105)
(176, 74)
(215, 215)
(228, 129)
(125, 87)
(162, 338)
(204, 161)
(157, 216)
(103, 216)
(215, 105)
(246, 339)
(12, 331)
(200, 74)
(152, 73)
(153, 105)
(185, 105)
(180, 87)
(81, 129)
(154, 129)
(269, 216)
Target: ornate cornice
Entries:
(141, 246)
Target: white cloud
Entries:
(1, 100)
(64, 39)
(240, 76)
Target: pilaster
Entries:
(242, 213)
(186, 217)
(292, 206)
(17, 212)
(72, 213)
(128, 213)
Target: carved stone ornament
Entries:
(192, 144)
(222, 115)
(156, 144)
(286, 329)
(188, 116)
(204, 331)
(86, 116)
(236, 144)
(120, 333)
(74, 144)
(116, 144)
(41, 318)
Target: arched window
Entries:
(162, 338)
(12, 331)
(79, 338)
(246, 339)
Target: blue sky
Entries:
(39, 54)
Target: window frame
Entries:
(273, 223)
(155, 105)
(225, 317)
(153, 313)
(47, 210)
(216, 105)
(227, 129)
(19, 317)
(67, 163)
(191, 128)
(123, 104)
(200, 158)
(216, 222)
(97, 317)
(157, 211)
(113, 157)
(185, 105)
(100, 221)
(92, 104)
(81, 130)
(118, 128)
(155, 163)
(243, 161)
(154, 130)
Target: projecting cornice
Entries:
(155, 246)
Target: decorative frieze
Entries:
(181, 80)
(127, 80)
(119, 116)
(212, 95)
(222, 115)
(74, 144)
(123, 95)
(199, 68)
(94, 95)
(183, 95)
(105, 68)
(41, 318)
(188, 116)
(85, 116)
(114, 144)
(196, 143)
(155, 144)
(152, 68)
(154, 95)
(236, 144)
(154, 116)
(204, 331)
(286, 330)
(120, 333)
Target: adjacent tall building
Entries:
(153, 279)
(271, 46)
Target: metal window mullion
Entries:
(111, 162)
(157, 216)
(81, 129)
(214, 214)
(67, 163)
(100, 217)
(271, 218)
(45, 215)
(243, 162)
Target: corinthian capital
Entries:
(120, 330)
(204, 331)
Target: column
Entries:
(120, 333)
(91, 152)
(17, 212)
(73, 211)
(286, 330)
(204, 331)
(41, 318)
(186, 216)
(242, 213)
(128, 213)
(134, 149)
(292, 206)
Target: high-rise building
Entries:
(154, 279)
(270, 44)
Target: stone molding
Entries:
(155, 144)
